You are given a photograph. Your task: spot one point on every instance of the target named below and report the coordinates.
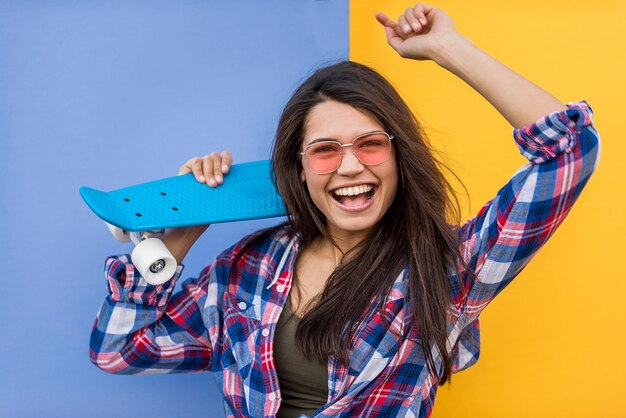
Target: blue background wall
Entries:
(108, 94)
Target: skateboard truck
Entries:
(150, 256)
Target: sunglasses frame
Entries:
(349, 144)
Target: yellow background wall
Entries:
(553, 343)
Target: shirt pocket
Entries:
(241, 330)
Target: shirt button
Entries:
(272, 395)
(280, 288)
(242, 305)
(265, 332)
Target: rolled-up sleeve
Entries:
(563, 152)
(142, 328)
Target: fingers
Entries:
(413, 20)
(420, 11)
(227, 161)
(209, 169)
(185, 168)
(403, 22)
(197, 169)
(208, 162)
(392, 30)
(385, 20)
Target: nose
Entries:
(350, 165)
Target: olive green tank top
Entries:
(303, 382)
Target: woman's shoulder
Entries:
(260, 244)
(256, 255)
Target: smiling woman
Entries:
(333, 119)
(387, 286)
(345, 101)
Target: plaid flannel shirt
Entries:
(224, 321)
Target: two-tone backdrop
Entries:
(108, 94)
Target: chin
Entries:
(357, 225)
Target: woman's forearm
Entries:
(180, 240)
(520, 101)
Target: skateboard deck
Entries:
(247, 193)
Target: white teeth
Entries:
(353, 191)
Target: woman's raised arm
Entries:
(559, 141)
(424, 32)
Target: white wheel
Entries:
(154, 261)
(118, 233)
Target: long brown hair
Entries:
(414, 233)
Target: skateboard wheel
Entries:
(118, 233)
(154, 261)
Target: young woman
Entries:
(368, 279)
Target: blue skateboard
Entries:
(142, 212)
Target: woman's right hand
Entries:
(209, 169)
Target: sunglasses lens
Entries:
(324, 157)
(373, 149)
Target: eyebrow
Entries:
(315, 141)
(336, 140)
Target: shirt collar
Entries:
(283, 260)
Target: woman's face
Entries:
(348, 217)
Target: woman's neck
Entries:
(345, 241)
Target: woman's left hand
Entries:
(418, 31)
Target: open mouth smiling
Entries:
(355, 195)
